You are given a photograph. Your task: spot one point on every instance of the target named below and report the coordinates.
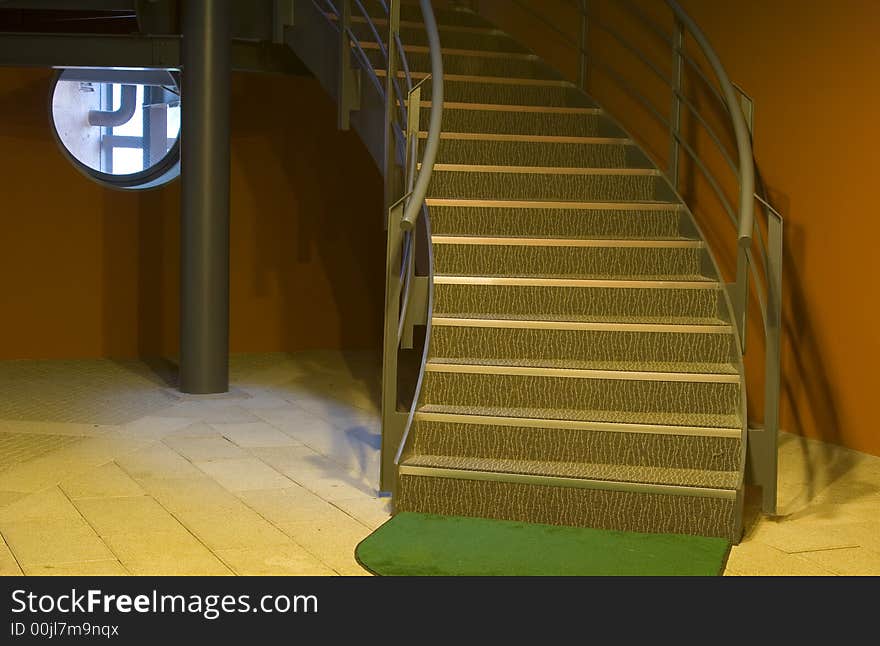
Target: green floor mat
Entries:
(413, 544)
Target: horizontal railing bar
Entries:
(642, 57)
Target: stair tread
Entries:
(629, 366)
(582, 471)
(701, 420)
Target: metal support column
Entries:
(204, 293)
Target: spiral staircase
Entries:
(583, 355)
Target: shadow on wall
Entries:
(808, 398)
(318, 197)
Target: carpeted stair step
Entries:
(703, 449)
(568, 501)
(622, 473)
(600, 395)
(516, 150)
(519, 183)
(487, 118)
(566, 258)
(598, 346)
(468, 62)
(471, 38)
(628, 220)
(583, 300)
(498, 90)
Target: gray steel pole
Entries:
(204, 267)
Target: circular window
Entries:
(119, 127)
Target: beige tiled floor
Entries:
(281, 477)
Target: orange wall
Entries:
(91, 272)
(811, 69)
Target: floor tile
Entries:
(333, 542)
(203, 448)
(855, 561)
(254, 434)
(240, 529)
(134, 515)
(106, 481)
(54, 541)
(8, 564)
(50, 504)
(288, 559)
(291, 505)
(87, 568)
(244, 474)
(752, 558)
(191, 494)
(157, 461)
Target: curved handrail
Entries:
(432, 145)
(741, 130)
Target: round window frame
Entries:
(163, 172)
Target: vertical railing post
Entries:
(583, 68)
(392, 188)
(773, 357)
(675, 115)
(392, 428)
(348, 80)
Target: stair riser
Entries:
(458, 91)
(555, 223)
(473, 65)
(573, 303)
(449, 38)
(565, 262)
(522, 123)
(604, 397)
(413, 13)
(542, 187)
(576, 445)
(552, 348)
(520, 153)
(615, 510)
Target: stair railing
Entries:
(409, 297)
(764, 276)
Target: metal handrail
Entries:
(432, 145)
(741, 130)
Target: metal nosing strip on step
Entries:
(578, 373)
(511, 324)
(494, 80)
(556, 481)
(552, 204)
(605, 427)
(531, 139)
(497, 241)
(576, 282)
(507, 107)
(474, 53)
(545, 170)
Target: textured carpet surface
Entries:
(412, 544)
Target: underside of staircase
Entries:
(583, 367)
